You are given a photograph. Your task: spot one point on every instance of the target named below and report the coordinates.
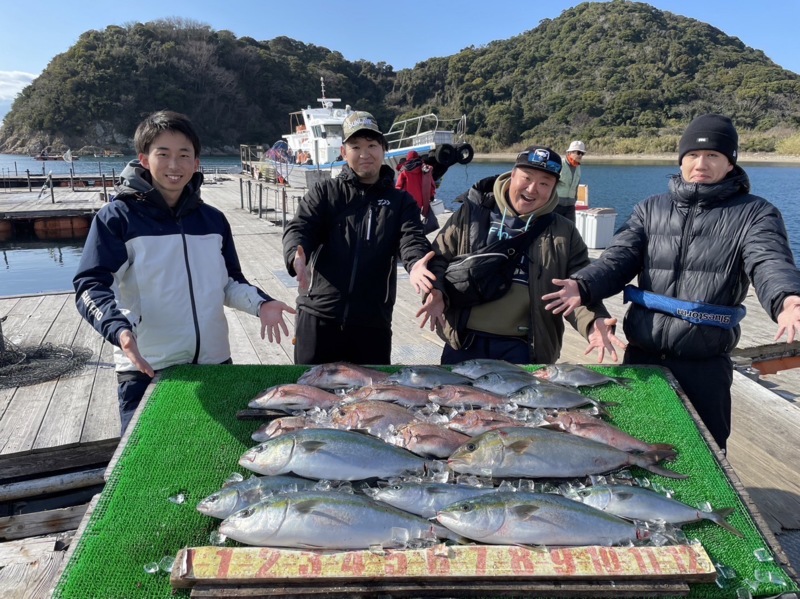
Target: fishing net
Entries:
(21, 366)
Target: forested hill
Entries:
(622, 75)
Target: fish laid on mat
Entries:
(326, 520)
(238, 496)
(341, 375)
(545, 395)
(378, 418)
(400, 394)
(424, 498)
(637, 503)
(291, 398)
(330, 454)
(541, 453)
(466, 395)
(504, 383)
(524, 518)
(573, 375)
(479, 366)
(590, 427)
(476, 422)
(286, 424)
(428, 440)
(427, 377)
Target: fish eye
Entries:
(397, 487)
(465, 507)
(471, 447)
(247, 512)
(214, 497)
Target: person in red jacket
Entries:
(416, 178)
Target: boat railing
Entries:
(425, 129)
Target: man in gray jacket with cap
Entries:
(695, 250)
(567, 189)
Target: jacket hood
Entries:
(501, 190)
(734, 183)
(135, 180)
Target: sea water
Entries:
(30, 266)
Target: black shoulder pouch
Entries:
(485, 275)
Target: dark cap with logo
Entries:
(540, 158)
(710, 132)
(360, 121)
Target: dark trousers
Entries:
(130, 390)
(510, 349)
(319, 341)
(707, 384)
(567, 211)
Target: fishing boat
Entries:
(108, 154)
(311, 151)
(45, 155)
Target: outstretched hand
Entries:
(127, 343)
(564, 301)
(433, 310)
(603, 339)
(421, 278)
(789, 319)
(301, 268)
(272, 322)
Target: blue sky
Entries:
(392, 32)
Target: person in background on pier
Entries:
(159, 265)
(695, 250)
(343, 244)
(416, 178)
(497, 312)
(570, 179)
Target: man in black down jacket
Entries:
(353, 228)
(695, 251)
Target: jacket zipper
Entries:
(687, 229)
(191, 295)
(355, 265)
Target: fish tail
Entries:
(718, 517)
(623, 381)
(648, 459)
(662, 451)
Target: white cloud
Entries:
(12, 82)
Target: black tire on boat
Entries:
(446, 155)
(465, 153)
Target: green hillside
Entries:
(623, 76)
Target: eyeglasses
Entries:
(579, 153)
(541, 158)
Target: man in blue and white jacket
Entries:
(159, 265)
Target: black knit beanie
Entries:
(710, 132)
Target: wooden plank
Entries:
(41, 523)
(102, 416)
(267, 566)
(31, 578)
(57, 458)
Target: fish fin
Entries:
(656, 469)
(665, 450)
(525, 512)
(312, 446)
(367, 422)
(718, 517)
(310, 507)
(519, 446)
(623, 381)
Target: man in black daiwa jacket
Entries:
(695, 251)
(353, 228)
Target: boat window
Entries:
(334, 130)
(317, 130)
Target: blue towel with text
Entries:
(724, 317)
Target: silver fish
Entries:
(480, 366)
(341, 375)
(290, 398)
(324, 520)
(573, 375)
(542, 394)
(589, 427)
(541, 453)
(476, 422)
(428, 440)
(504, 383)
(637, 503)
(330, 454)
(400, 394)
(524, 518)
(426, 499)
(238, 496)
(466, 395)
(427, 377)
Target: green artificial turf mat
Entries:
(188, 441)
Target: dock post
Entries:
(2, 342)
(260, 198)
(249, 196)
(283, 207)
(241, 191)
(52, 193)
(105, 191)
(28, 174)
(16, 174)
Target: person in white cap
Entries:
(570, 179)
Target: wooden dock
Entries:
(72, 422)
